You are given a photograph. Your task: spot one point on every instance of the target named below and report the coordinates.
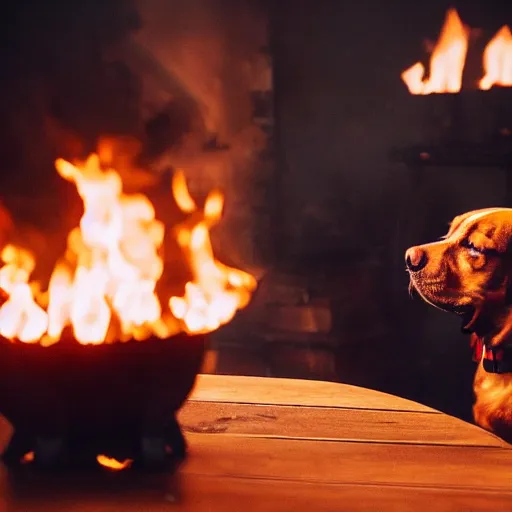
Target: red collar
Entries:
(494, 359)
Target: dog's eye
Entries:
(473, 250)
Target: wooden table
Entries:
(276, 445)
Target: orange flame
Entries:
(112, 265)
(212, 298)
(498, 60)
(446, 63)
(113, 464)
(449, 56)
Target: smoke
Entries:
(200, 62)
(175, 77)
(209, 47)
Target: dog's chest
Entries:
(493, 394)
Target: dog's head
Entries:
(469, 271)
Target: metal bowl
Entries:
(69, 403)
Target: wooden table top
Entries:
(276, 444)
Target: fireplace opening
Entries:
(339, 134)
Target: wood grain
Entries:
(196, 493)
(205, 494)
(266, 390)
(333, 424)
(286, 445)
(351, 462)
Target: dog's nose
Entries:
(415, 259)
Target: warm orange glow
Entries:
(113, 464)
(28, 458)
(20, 316)
(111, 268)
(217, 291)
(498, 60)
(446, 63)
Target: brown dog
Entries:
(469, 272)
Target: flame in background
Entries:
(449, 56)
(104, 286)
(113, 464)
(498, 60)
(446, 63)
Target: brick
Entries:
(239, 360)
(301, 319)
(307, 339)
(286, 295)
(298, 362)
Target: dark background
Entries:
(339, 211)
(342, 106)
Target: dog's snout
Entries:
(415, 259)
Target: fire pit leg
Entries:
(50, 452)
(155, 453)
(175, 439)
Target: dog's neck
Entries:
(496, 360)
(493, 345)
(491, 334)
(492, 319)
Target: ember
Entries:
(113, 464)
(449, 57)
(111, 268)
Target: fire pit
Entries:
(69, 403)
(95, 364)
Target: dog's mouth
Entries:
(463, 311)
(448, 302)
(434, 293)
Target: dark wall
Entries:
(57, 95)
(341, 107)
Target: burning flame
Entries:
(113, 464)
(446, 63)
(498, 60)
(449, 56)
(212, 298)
(104, 286)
